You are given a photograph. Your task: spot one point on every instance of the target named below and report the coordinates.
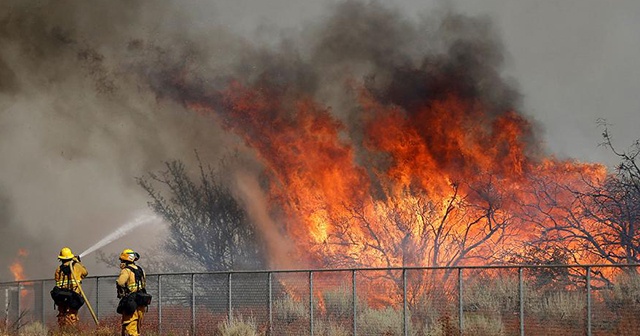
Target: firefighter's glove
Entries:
(121, 291)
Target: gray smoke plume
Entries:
(76, 128)
(94, 94)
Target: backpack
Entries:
(141, 297)
(65, 297)
(127, 304)
(130, 302)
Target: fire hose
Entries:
(93, 314)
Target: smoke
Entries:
(278, 246)
(76, 128)
(95, 94)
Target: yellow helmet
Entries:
(65, 254)
(129, 255)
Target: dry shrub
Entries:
(438, 328)
(339, 303)
(625, 292)
(434, 330)
(330, 328)
(560, 306)
(386, 321)
(443, 326)
(95, 332)
(33, 329)
(237, 326)
(491, 295)
(288, 310)
(480, 325)
(112, 325)
(433, 311)
(109, 331)
(428, 314)
(448, 326)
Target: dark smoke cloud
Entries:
(403, 62)
(410, 62)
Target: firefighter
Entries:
(131, 282)
(67, 282)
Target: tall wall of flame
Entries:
(384, 142)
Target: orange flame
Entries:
(441, 183)
(17, 270)
(16, 267)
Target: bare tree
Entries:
(207, 225)
(411, 228)
(593, 217)
(618, 204)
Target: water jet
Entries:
(121, 231)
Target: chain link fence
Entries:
(509, 300)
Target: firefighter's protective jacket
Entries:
(126, 281)
(67, 281)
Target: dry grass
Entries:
(237, 327)
(480, 325)
(500, 296)
(289, 310)
(625, 292)
(34, 329)
(339, 303)
(330, 328)
(385, 321)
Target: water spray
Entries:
(121, 231)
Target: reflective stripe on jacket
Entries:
(127, 279)
(66, 281)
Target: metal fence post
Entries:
(42, 297)
(229, 313)
(311, 302)
(270, 305)
(18, 301)
(193, 304)
(160, 304)
(521, 297)
(460, 311)
(405, 326)
(588, 301)
(97, 298)
(6, 306)
(355, 302)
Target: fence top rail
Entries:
(329, 270)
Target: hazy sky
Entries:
(576, 61)
(75, 131)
